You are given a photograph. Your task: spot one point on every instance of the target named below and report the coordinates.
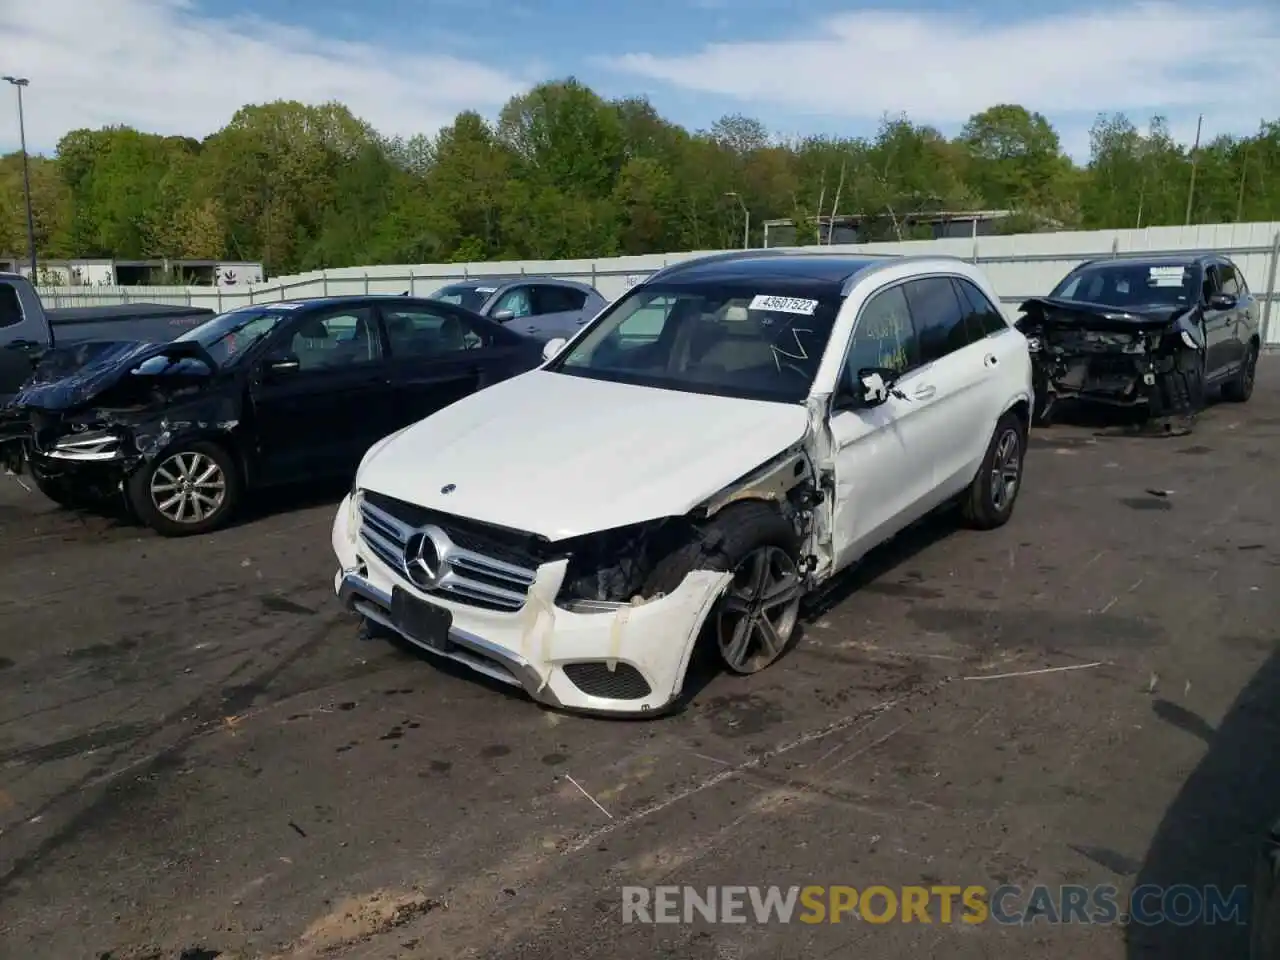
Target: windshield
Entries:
(464, 295)
(229, 336)
(753, 339)
(1130, 285)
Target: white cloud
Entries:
(165, 66)
(1143, 58)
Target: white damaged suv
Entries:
(718, 442)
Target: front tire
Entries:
(191, 488)
(1180, 391)
(989, 501)
(755, 619)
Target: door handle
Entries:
(21, 345)
(990, 360)
(924, 392)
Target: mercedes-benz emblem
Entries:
(449, 488)
(422, 560)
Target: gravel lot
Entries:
(198, 753)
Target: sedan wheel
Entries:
(188, 487)
(758, 612)
(191, 488)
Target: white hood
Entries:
(560, 455)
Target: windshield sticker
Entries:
(1166, 276)
(803, 308)
(486, 289)
(285, 305)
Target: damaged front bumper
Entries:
(615, 658)
(1111, 368)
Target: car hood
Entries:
(70, 377)
(558, 455)
(1100, 316)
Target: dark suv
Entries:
(1158, 331)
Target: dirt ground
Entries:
(199, 757)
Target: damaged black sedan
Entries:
(264, 395)
(1159, 334)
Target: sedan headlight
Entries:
(90, 446)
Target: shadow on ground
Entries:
(1211, 834)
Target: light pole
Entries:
(746, 219)
(21, 82)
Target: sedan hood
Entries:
(70, 377)
(558, 455)
(1099, 316)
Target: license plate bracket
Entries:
(422, 622)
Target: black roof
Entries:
(1189, 259)
(833, 268)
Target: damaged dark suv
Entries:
(1159, 333)
(268, 394)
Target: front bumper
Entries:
(628, 659)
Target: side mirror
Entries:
(873, 386)
(281, 363)
(502, 316)
(1222, 301)
(552, 347)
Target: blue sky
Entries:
(820, 66)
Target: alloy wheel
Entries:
(188, 487)
(1006, 470)
(758, 612)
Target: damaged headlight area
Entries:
(613, 568)
(90, 446)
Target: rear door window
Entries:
(554, 299)
(983, 317)
(939, 317)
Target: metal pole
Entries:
(21, 82)
(1271, 290)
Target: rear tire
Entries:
(988, 503)
(190, 488)
(1240, 388)
(754, 620)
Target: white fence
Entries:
(1019, 266)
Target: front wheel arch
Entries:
(212, 448)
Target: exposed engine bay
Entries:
(105, 403)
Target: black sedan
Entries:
(264, 395)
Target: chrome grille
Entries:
(464, 575)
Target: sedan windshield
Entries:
(229, 336)
(467, 296)
(1124, 285)
(755, 340)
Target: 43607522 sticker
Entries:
(796, 305)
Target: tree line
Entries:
(564, 173)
